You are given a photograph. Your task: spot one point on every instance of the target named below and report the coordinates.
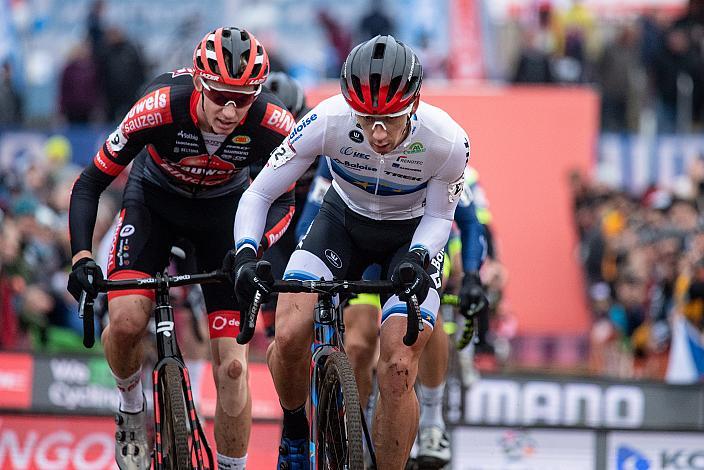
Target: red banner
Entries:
(466, 45)
(72, 443)
(15, 381)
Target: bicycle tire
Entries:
(340, 433)
(175, 435)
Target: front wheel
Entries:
(175, 435)
(340, 433)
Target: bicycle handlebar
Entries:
(414, 320)
(85, 305)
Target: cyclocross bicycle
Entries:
(180, 442)
(336, 417)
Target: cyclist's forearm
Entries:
(83, 208)
(279, 218)
(432, 234)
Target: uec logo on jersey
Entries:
(334, 258)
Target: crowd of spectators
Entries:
(643, 259)
(639, 63)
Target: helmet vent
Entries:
(226, 33)
(374, 84)
(357, 88)
(412, 87)
(379, 49)
(393, 88)
(244, 36)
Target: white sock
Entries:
(131, 395)
(232, 463)
(431, 406)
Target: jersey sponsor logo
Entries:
(356, 136)
(416, 147)
(349, 151)
(219, 322)
(354, 165)
(280, 155)
(127, 230)
(182, 71)
(296, 133)
(116, 141)
(187, 135)
(397, 165)
(405, 160)
(405, 177)
(455, 189)
(278, 119)
(436, 274)
(334, 258)
(107, 166)
(241, 139)
(150, 111)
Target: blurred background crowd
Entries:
(83, 63)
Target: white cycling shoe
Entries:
(132, 450)
(434, 451)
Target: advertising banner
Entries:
(74, 385)
(82, 443)
(654, 451)
(574, 402)
(15, 381)
(522, 449)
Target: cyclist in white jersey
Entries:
(397, 166)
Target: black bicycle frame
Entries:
(167, 349)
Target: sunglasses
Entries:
(224, 97)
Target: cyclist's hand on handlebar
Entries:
(242, 270)
(419, 284)
(472, 295)
(86, 276)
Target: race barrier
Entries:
(56, 412)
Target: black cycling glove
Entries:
(472, 295)
(418, 282)
(86, 276)
(241, 267)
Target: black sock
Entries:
(295, 423)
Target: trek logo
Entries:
(278, 119)
(334, 258)
(165, 327)
(349, 151)
(150, 111)
(416, 147)
(302, 124)
(356, 136)
(630, 459)
(354, 165)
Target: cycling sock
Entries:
(232, 463)
(131, 395)
(431, 406)
(295, 423)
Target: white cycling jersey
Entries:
(423, 176)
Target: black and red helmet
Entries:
(381, 76)
(231, 56)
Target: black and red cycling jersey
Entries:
(160, 134)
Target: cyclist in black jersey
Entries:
(191, 139)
